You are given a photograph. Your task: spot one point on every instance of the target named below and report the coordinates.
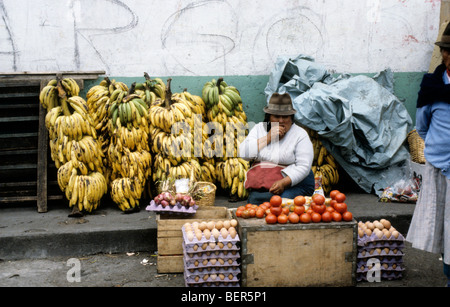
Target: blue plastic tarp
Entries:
(358, 118)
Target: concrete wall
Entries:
(194, 41)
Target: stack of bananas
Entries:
(324, 165)
(172, 118)
(224, 106)
(73, 144)
(128, 153)
(231, 175)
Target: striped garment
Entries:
(430, 225)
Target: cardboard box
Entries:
(170, 236)
(297, 255)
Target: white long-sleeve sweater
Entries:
(294, 150)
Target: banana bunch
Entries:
(126, 192)
(324, 165)
(219, 97)
(194, 102)
(73, 144)
(208, 171)
(177, 149)
(84, 191)
(225, 107)
(49, 95)
(128, 153)
(128, 110)
(164, 168)
(231, 175)
(164, 113)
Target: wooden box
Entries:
(297, 255)
(170, 236)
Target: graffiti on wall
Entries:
(212, 37)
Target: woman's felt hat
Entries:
(445, 39)
(280, 104)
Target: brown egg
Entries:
(360, 233)
(368, 232)
(386, 223)
(202, 226)
(210, 225)
(207, 234)
(226, 224)
(395, 233)
(233, 223)
(219, 225)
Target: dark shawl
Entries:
(433, 88)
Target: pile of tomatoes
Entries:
(335, 210)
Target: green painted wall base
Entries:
(252, 89)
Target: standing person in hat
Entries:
(430, 225)
(283, 154)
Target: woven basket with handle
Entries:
(207, 190)
(416, 147)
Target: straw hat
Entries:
(280, 104)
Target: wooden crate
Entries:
(297, 255)
(170, 237)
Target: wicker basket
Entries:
(416, 147)
(208, 198)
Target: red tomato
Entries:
(248, 206)
(319, 199)
(264, 206)
(318, 208)
(330, 209)
(333, 194)
(239, 213)
(299, 210)
(305, 218)
(326, 217)
(285, 210)
(316, 217)
(275, 201)
(282, 218)
(252, 212)
(299, 200)
(340, 197)
(260, 213)
(294, 218)
(336, 216)
(347, 216)
(309, 211)
(266, 203)
(276, 210)
(271, 218)
(245, 214)
(332, 203)
(340, 207)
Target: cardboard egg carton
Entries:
(223, 253)
(199, 242)
(219, 278)
(392, 275)
(383, 259)
(393, 267)
(177, 209)
(226, 270)
(211, 262)
(208, 247)
(382, 253)
(382, 244)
